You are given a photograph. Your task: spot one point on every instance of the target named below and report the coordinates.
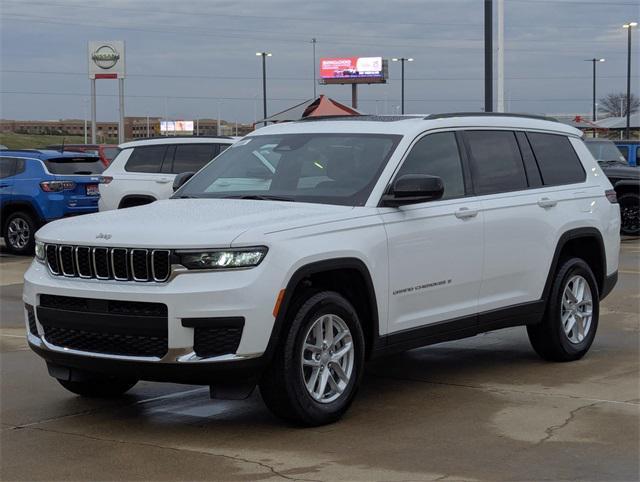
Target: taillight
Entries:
(611, 196)
(57, 186)
(105, 179)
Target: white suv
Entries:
(144, 170)
(309, 247)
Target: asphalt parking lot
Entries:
(485, 408)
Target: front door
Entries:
(435, 248)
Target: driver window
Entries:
(437, 155)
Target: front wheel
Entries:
(571, 317)
(629, 214)
(319, 363)
(100, 387)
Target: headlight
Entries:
(40, 254)
(222, 258)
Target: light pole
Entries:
(264, 56)
(594, 116)
(402, 60)
(629, 26)
(313, 41)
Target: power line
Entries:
(288, 78)
(194, 97)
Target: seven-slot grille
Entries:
(120, 264)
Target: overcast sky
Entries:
(187, 59)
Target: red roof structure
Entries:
(318, 107)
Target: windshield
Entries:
(605, 151)
(318, 168)
(74, 165)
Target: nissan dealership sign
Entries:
(106, 60)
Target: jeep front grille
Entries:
(120, 264)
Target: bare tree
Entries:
(615, 105)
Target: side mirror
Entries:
(180, 179)
(412, 189)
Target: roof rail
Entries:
(178, 137)
(488, 114)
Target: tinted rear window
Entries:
(496, 162)
(74, 165)
(146, 159)
(7, 167)
(192, 157)
(558, 162)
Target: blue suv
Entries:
(38, 186)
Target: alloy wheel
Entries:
(328, 358)
(577, 309)
(18, 233)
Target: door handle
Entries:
(163, 180)
(464, 213)
(546, 202)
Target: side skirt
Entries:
(458, 328)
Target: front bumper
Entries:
(188, 296)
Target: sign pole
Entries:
(488, 55)
(354, 96)
(121, 120)
(93, 111)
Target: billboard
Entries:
(180, 126)
(106, 59)
(350, 70)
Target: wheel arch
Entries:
(15, 206)
(131, 200)
(585, 243)
(314, 276)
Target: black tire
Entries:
(629, 214)
(16, 245)
(548, 338)
(282, 386)
(100, 387)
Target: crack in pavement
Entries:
(550, 431)
(178, 449)
(504, 390)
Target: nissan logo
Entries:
(105, 57)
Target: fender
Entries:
(303, 272)
(627, 183)
(564, 239)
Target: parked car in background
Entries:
(144, 170)
(373, 235)
(38, 186)
(106, 152)
(630, 150)
(625, 180)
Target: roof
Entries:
(179, 140)
(620, 122)
(320, 106)
(413, 125)
(46, 154)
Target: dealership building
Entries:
(134, 128)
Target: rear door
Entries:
(7, 171)
(143, 173)
(84, 172)
(184, 158)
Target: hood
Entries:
(618, 171)
(187, 223)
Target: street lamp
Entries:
(402, 60)
(629, 26)
(264, 56)
(594, 117)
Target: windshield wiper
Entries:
(260, 197)
(184, 196)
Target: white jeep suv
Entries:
(144, 170)
(310, 247)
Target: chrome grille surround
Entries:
(119, 264)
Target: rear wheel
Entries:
(317, 369)
(629, 214)
(19, 233)
(571, 318)
(100, 387)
